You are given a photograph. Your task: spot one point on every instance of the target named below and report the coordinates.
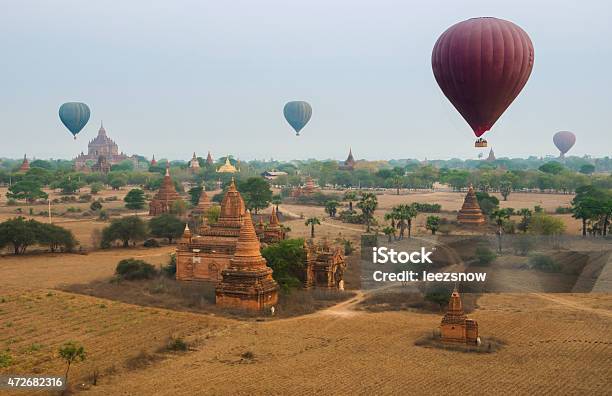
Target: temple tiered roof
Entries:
(165, 196)
(470, 213)
(25, 165)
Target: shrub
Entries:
(177, 344)
(351, 217)
(132, 269)
(287, 260)
(5, 359)
(523, 244)
(427, 207)
(151, 243)
(563, 210)
(484, 256)
(544, 263)
(170, 269)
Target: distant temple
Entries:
(349, 163)
(101, 166)
(308, 188)
(227, 167)
(103, 146)
(325, 266)
(455, 326)
(491, 156)
(204, 203)
(272, 232)
(247, 282)
(153, 161)
(194, 164)
(165, 197)
(25, 165)
(209, 159)
(470, 213)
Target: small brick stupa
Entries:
(455, 326)
(166, 196)
(209, 159)
(153, 161)
(247, 283)
(25, 165)
(204, 203)
(470, 213)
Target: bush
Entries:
(132, 269)
(151, 243)
(170, 269)
(544, 263)
(5, 359)
(427, 207)
(563, 210)
(351, 217)
(177, 345)
(287, 260)
(523, 244)
(484, 256)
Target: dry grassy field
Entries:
(555, 343)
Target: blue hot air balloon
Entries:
(74, 115)
(297, 114)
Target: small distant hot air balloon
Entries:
(74, 116)
(297, 114)
(564, 140)
(481, 65)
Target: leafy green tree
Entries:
(488, 203)
(587, 169)
(368, 204)
(18, 232)
(544, 224)
(256, 193)
(398, 183)
(132, 269)
(287, 260)
(68, 185)
(28, 190)
(312, 221)
(71, 352)
(331, 207)
(194, 194)
(125, 229)
(592, 204)
(56, 237)
(433, 224)
(117, 181)
(166, 226)
(389, 232)
(96, 187)
(135, 199)
(552, 167)
(505, 188)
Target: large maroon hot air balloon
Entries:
(481, 65)
(564, 140)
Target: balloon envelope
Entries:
(74, 116)
(564, 141)
(481, 65)
(297, 114)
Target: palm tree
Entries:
(433, 223)
(398, 182)
(403, 214)
(312, 221)
(499, 215)
(350, 196)
(331, 207)
(276, 200)
(368, 204)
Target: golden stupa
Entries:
(227, 167)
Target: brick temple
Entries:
(349, 163)
(325, 266)
(470, 213)
(103, 146)
(272, 232)
(165, 197)
(25, 165)
(456, 327)
(308, 189)
(247, 283)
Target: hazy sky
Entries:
(170, 77)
